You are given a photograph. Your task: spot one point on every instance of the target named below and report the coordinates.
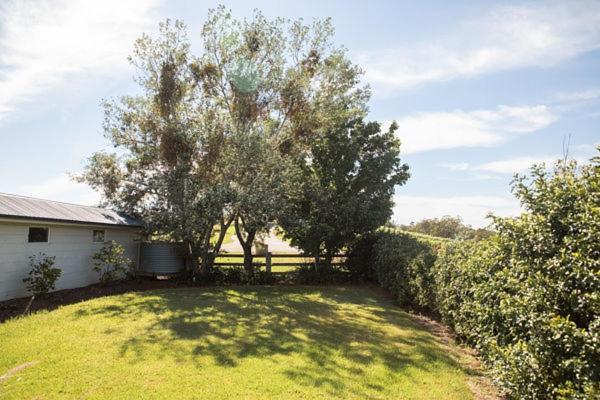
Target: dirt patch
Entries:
(15, 307)
(16, 369)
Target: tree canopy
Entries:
(220, 137)
(344, 187)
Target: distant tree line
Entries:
(447, 227)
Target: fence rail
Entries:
(268, 263)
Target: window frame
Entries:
(94, 235)
(46, 228)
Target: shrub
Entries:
(529, 297)
(402, 264)
(360, 259)
(43, 275)
(321, 274)
(111, 262)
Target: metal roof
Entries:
(21, 207)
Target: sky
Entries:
(480, 89)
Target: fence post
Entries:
(268, 262)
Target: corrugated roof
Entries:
(20, 207)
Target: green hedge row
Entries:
(527, 298)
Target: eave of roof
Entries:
(13, 207)
(4, 218)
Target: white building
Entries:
(72, 233)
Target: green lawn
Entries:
(228, 236)
(227, 343)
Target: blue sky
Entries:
(480, 89)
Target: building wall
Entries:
(71, 244)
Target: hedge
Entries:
(528, 298)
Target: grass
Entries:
(228, 235)
(224, 343)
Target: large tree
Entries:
(185, 143)
(279, 85)
(170, 169)
(344, 187)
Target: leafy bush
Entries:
(403, 265)
(43, 275)
(360, 259)
(529, 297)
(111, 262)
(322, 274)
(236, 275)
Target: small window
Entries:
(98, 235)
(38, 235)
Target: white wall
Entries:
(72, 245)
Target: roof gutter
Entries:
(23, 219)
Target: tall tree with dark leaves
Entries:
(344, 187)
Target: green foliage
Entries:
(207, 138)
(360, 258)
(228, 276)
(43, 275)
(111, 263)
(403, 265)
(343, 187)
(529, 297)
(318, 274)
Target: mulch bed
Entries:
(15, 307)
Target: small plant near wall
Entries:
(42, 276)
(111, 262)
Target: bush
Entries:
(320, 274)
(529, 297)
(402, 264)
(235, 275)
(360, 259)
(43, 275)
(111, 262)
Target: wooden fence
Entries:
(268, 263)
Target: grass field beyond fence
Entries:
(226, 343)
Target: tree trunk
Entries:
(205, 252)
(211, 255)
(246, 244)
(328, 260)
(317, 264)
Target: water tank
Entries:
(159, 258)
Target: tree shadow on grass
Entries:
(339, 333)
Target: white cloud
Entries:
(459, 166)
(472, 209)
(581, 153)
(481, 128)
(583, 95)
(61, 188)
(515, 165)
(43, 44)
(508, 37)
